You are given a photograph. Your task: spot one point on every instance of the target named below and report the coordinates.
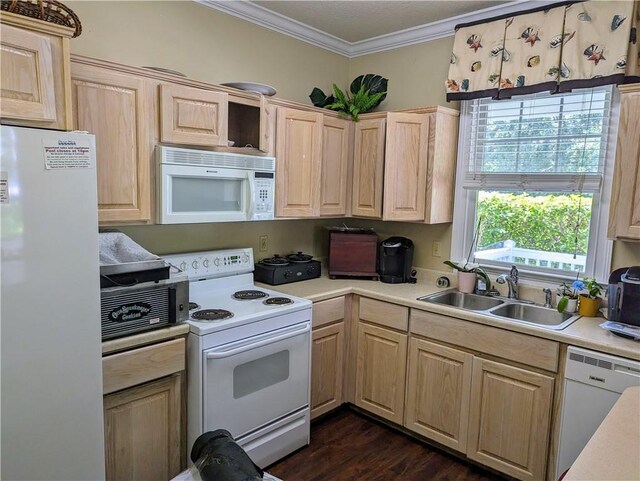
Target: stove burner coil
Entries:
(278, 301)
(212, 315)
(249, 295)
(193, 305)
(275, 261)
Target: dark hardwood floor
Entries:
(348, 446)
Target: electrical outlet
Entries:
(264, 243)
(435, 249)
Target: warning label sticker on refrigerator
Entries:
(4, 188)
(67, 154)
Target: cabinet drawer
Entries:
(489, 340)
(326, 312)
(130, 368)
(384, 313)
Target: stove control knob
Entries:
(245, 258)
(205, 263)
(194, 264)
(216, 262)
(183, 266)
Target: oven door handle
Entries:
(264, 342)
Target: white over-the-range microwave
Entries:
(204, 186)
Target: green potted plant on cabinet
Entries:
(364, 94)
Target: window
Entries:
(534, 180)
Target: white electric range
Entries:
(248, 355)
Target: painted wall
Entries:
(416, 73)
(204, 44)
(625, 254)
(211, 46)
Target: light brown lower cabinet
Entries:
(438, 391)
(143, 431)
(496, 414)
(380, 371)
(327, 368)
(509, 419)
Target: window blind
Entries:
(540, 142)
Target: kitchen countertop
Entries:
(612, 453)
(585, 332)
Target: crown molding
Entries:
(274, 21)
(423, 33)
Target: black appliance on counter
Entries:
(278, 270)
(624, 296)
(395, 257)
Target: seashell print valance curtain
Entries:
(555, 49)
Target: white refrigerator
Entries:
(50, 344)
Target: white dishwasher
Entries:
(593, 383)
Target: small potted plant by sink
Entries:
(467, 275)
(589, 302)
(467, 272)
(569, 296)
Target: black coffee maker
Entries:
(395, 258)
(624, 296)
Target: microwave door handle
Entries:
(255, 345)
(251, 178)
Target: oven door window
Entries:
(207, 194)
(253, 382)
(252, 376)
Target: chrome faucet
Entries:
(512, 281)
(547, 297)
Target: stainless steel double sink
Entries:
(509, 309)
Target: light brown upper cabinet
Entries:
(251, 125)
(298, 163)
(624, 215)
(193, 116)
(34, 76)
(420, 165)
(114, 107)
(336, 158)
(405, 166)
(411, 157)
(368, 168)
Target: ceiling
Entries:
(357, 20)
(360, 27)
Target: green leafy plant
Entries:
(532, 221)
(365, 93)
(593, 289)
(466, 267)
(568, 293)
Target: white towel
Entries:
(117, 248)
(192, 474)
